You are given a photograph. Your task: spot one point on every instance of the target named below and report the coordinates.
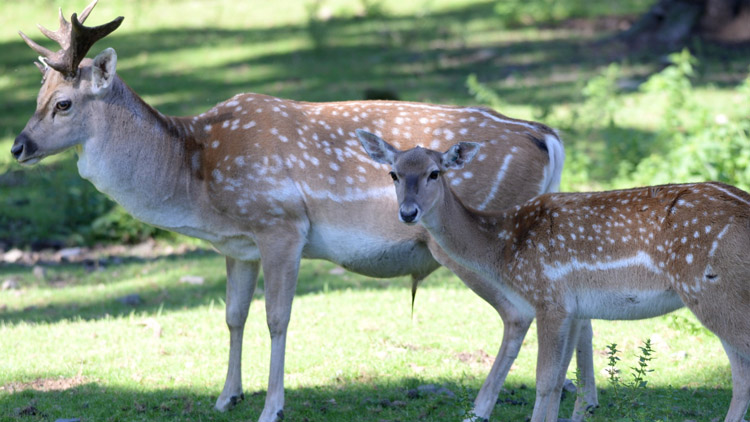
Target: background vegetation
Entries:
(629, 114)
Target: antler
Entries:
(75, 40)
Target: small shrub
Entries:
(483, 94)
(690, 142)
(626, 394)
(701, 146)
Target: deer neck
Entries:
(469, 237)
(140, 158)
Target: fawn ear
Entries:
(459, 155)
(103, 71)
(378, 149)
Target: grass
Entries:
(70, 349)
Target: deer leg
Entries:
(569, 344)
(241, 279)
(553, 330)
(280, 258)
(740, 384)
(515, 327)
(587, 398)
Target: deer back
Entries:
(262, 151)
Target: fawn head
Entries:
(417, 173)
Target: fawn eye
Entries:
(434, 174)
(63, 105)
(393, 176)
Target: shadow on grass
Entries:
(422, 58)
(165, 293)
(398, 400)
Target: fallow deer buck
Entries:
(627, 254)
(268, 181)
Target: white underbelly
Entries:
(367, 253)
(624, 304)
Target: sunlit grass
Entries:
(351, 339)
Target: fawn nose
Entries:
(408, 214)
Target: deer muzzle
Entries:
(24, 149)
(408, 213)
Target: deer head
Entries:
(70, 87)
(416, 183)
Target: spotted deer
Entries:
(626, 254)
(268, 181)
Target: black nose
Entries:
(16, 149)
(23, 145)
(408, 216)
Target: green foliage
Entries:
(64, 209)
(119, 226)
(690, 142)
(627, 394)
(641, 370)
(596, 118)
(696, 145)
(483, 93)
(464, 405)
(683, 324)
(58, 209)
(373, 8)
(602, 96)
(674, 83)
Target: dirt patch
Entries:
(94, 256)
(476, 357)
(46, 384)
(598, 25)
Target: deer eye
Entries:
(434, 174)
(63, 105)
(393, 176)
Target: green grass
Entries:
(353, 346)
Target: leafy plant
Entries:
(482, 93)
(626, 394)
(690, 142)
(702, 146)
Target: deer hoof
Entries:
(272, 417)
(224, 404)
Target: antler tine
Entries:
(43, 51)
(87, 10)
(75, 40)
(61, 36)
(83, 37)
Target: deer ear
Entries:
(103, 71)
(459, 155)
(378, 149)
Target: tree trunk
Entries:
(670, 23)
(726, 20)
